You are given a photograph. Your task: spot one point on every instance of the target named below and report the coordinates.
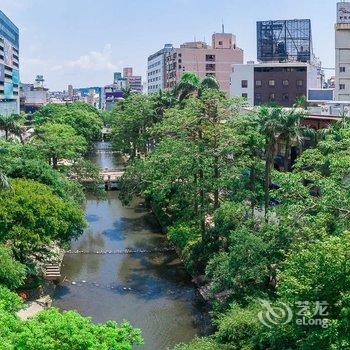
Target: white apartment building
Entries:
(342, 52)
(156, 69)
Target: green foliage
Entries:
(12, 273)
(320, 273)
(209, 174)
(241, 328)
(202, 344)
(36, 169)
(130, 127)
(59, 142)
(82, 117)
(54, 330)
(11, 124)
(31, 216)
(9, 302)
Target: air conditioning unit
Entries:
(326, 110)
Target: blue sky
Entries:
(81, 42)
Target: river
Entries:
(151, 290)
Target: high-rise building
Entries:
(9, 66)
(342, 52)
(133, 82)
(70, 91)
(156, 69)
(127, 72)
(284, 41)
(204, 60)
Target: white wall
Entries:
(241, 72)
(342, 59)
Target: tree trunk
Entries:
(287, 155)
(268, 166)
(6, 134)
(195, 199)
(201, 184)
(216, 179)
(252, 187)
(54, 162)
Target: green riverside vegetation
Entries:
(250, 232)
(41, 196)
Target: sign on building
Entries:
(343, 12)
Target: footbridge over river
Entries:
(111, 178)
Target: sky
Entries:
(82, 42)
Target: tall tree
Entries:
(270, 127)
(190, 84)
(291, 131)
(10, 124)
(59, 142)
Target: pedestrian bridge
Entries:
(111, 178)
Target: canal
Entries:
(151, 290)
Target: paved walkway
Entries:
(34, 307)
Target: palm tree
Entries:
(3, 181)
(291, 129)
(10, 125)
(190, 84)
(3, 178)
(270, 126)
(126, 92)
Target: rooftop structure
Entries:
(284, 41)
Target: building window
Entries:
(210, 58)
(272, 97)
(258, 83)
(258, 97)
(285, 97)
(285, 82)
(341, 86)
(244, 83)
(245, 95)
(342, 69)
(220, 43)
(272, 82)
(180, 60)
(210, 66)
(300, 83)
(180, 66)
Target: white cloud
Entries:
(93, 68)
(94, 60)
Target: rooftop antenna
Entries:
(222, 26)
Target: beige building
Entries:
(204, 60)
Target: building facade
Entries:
(204, 60)
(156, 69)
(342, 52)
(133, 82)
(282, 83)
(9, 66)
(33, 96)
(284, 41)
